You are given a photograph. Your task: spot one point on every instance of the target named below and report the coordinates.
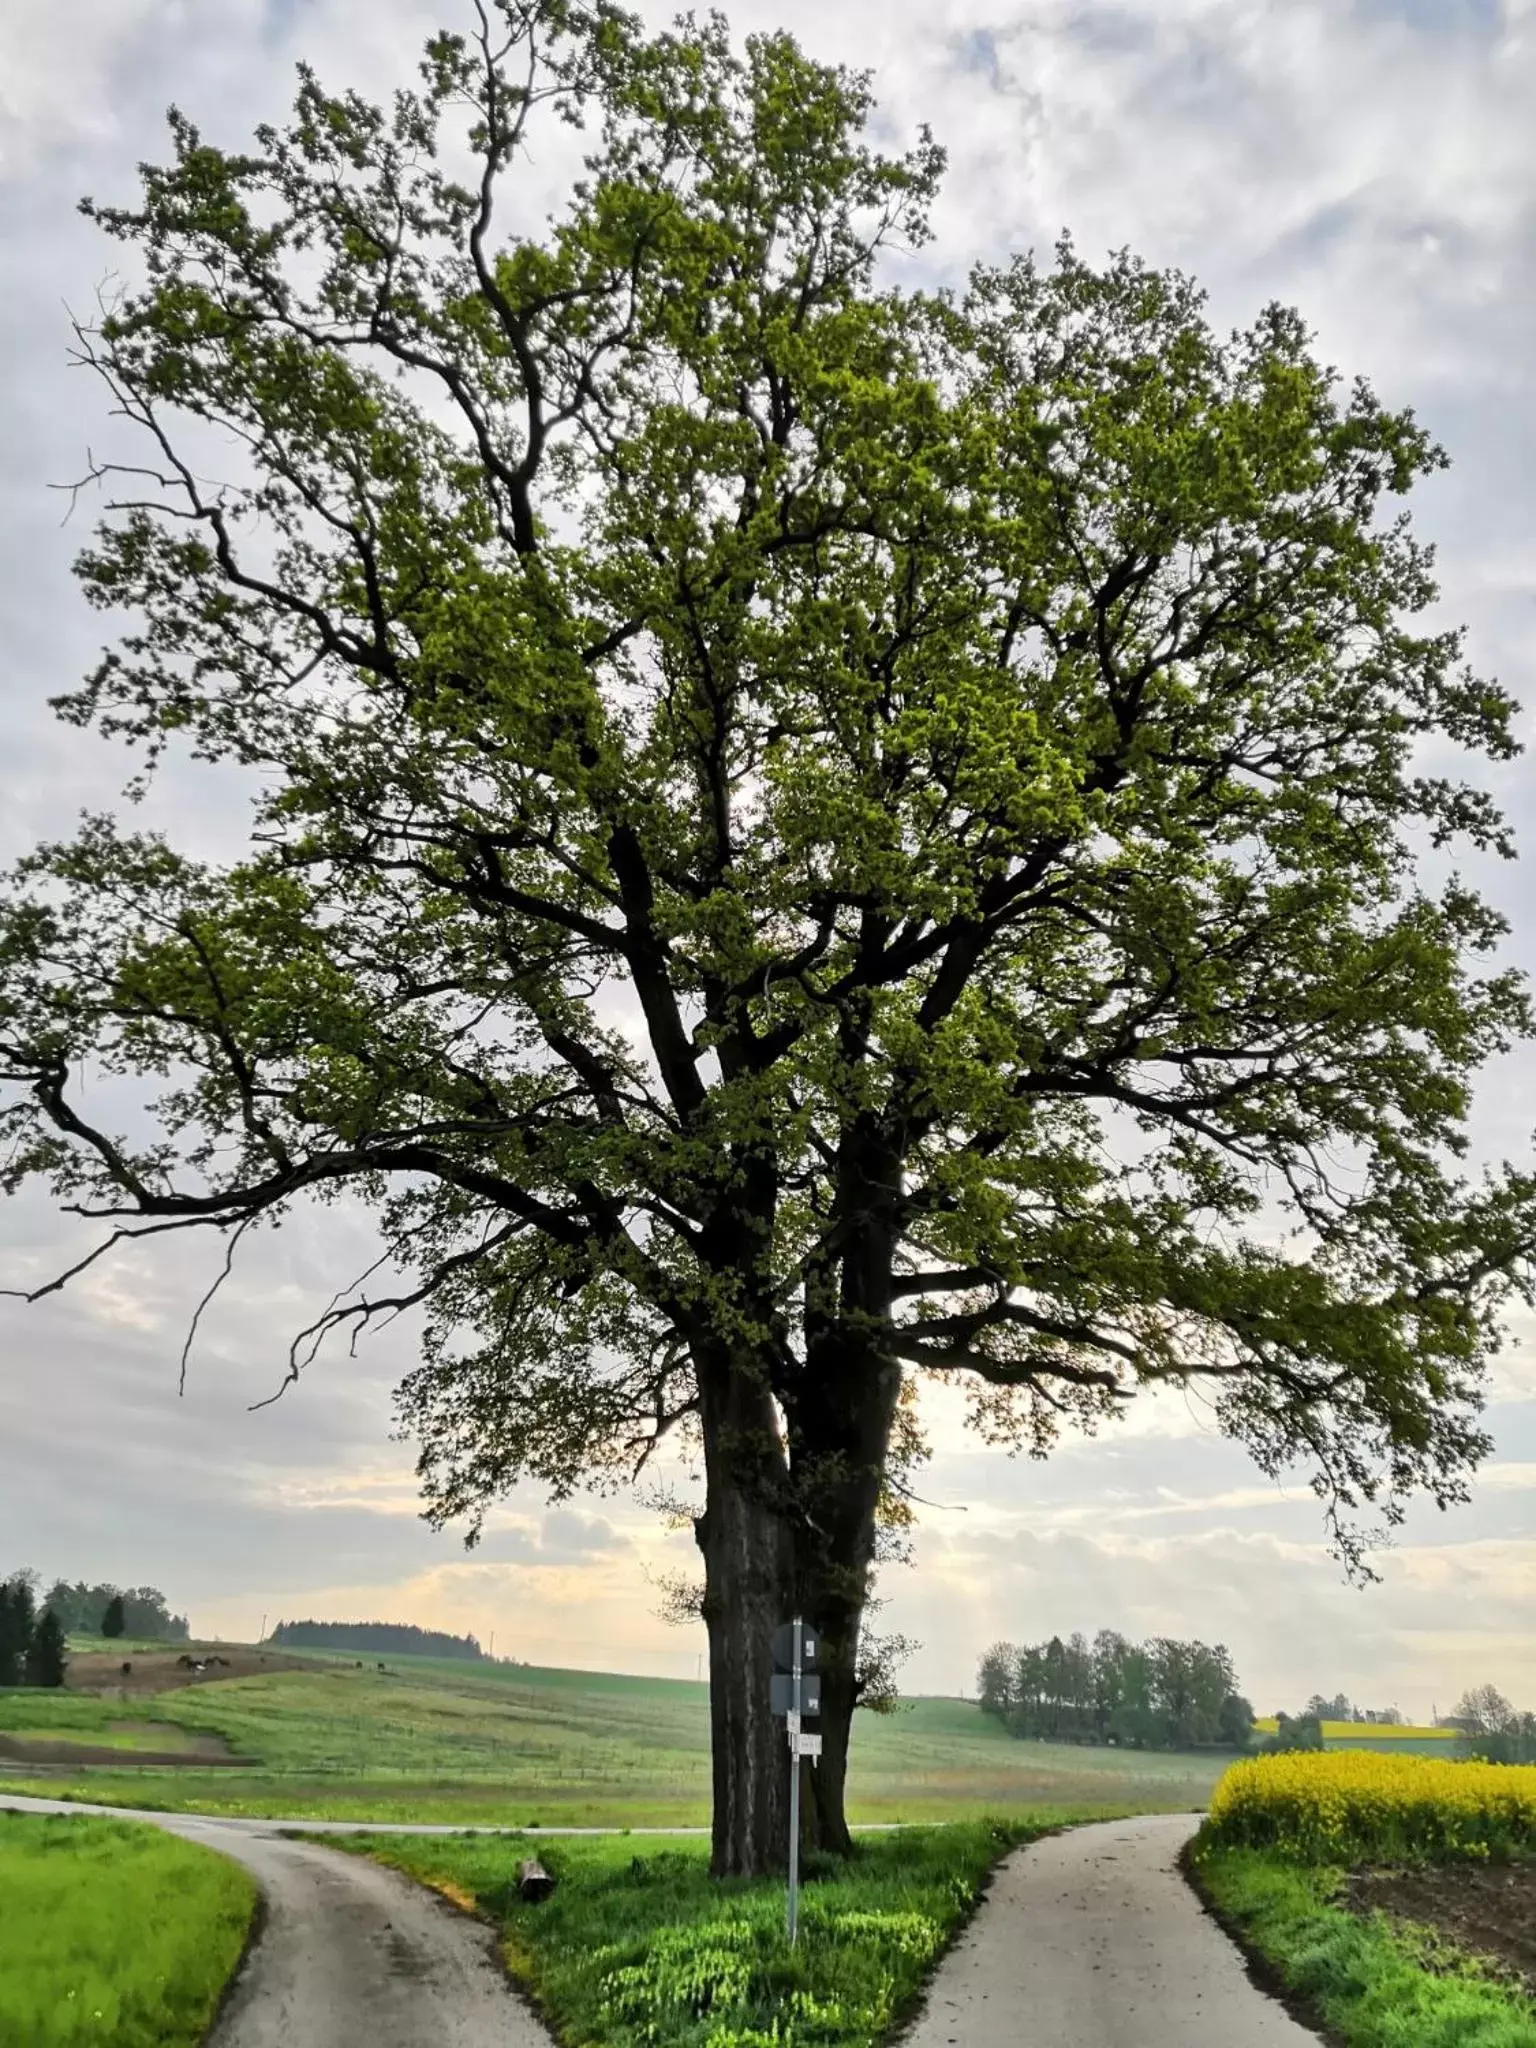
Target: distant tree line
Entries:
(108, 1610)
(1342, 1708)
(1492, 1729)
(1162, 1694)
(1296, 1731)
(1305, 1730)
(377, 1638)
(31, 1644)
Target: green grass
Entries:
(113, 1933)
(639, 1949)
(430, 1740)
(1371, 1983)
(76, 1717)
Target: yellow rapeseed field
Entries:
(1365, 1805)
(1365, 1731)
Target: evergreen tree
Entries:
(45, 1653)
(114, 1619)
(16, 1623)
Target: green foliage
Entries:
(969, 724)
(968, 731)
(113, 1933)
(45, 1652)
(1164, 1694)
(17, 1613)
(114, 1620)
(638, 1946)
(1293, 1731)
(146, 1617)
(1493, 1730)
(1372, 1985)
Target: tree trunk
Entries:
(747, 1541)
(826, 1782)
(843, 1443)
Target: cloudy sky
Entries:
(1371, 161)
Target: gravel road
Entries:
(351, 1955)
(1092, 1939)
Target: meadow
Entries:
(111, 1932)
(1287, 1859)
(515, 1746)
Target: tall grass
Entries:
(113, 1934)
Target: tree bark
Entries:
(840, 1436)
(834, 1569)
(747, 1541)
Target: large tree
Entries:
(809, 835)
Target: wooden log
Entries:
(534, 1881)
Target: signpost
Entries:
(796, 1692)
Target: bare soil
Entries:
(152, 1671)
(201, 1750)
(1487, 1908)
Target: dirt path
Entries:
(1092, 1939)
(351, 1955)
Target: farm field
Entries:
(1364, 1735)
(1392, 1894)
(431, 1740)
(111, 1932)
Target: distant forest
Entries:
(377, 1638)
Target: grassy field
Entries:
(432, 1740)
(645, 1949)
(113, 1933)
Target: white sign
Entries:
(807, 1745)
(792, 1722)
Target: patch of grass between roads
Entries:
(1372, 1983)
(638, 1948)
(113, 1933)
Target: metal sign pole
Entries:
(794, 1791)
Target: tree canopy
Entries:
(811, 833)
(1163, 1694)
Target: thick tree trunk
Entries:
(747, 1541)
(849, 1431)
(824, 1793)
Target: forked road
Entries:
(1089, 1939)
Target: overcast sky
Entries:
(1372, 163)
